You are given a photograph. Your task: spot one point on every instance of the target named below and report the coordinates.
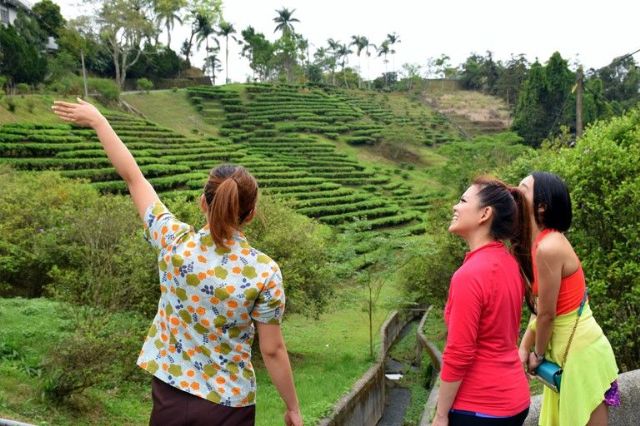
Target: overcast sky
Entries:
(591, 33)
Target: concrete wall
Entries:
(364, 404)
(436, 360)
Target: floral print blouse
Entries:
(200, 339)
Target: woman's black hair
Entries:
(552, 193)
(510, 222)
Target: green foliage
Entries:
(144, 84)
(23, 88)
(101, 351)
(21, 61)
(61, 239)
(108, 264)
(10, 103)
(49, 17)
(429, 262)
(482, 155)
(108, 91)
(302, 249)
(602, 174)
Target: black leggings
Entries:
(459, 419)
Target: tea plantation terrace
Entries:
(320, 182)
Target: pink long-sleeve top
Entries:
(483, 320)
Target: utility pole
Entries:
(579, 92)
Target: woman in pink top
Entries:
(482, 379)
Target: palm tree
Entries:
(284, 20)
(167, 11)
(226, 30)
(334, 46)
(383, 50)
(361, 43)
(212, 64)
(204, 29)
(393, 38)
(321, 56)
(342, 53)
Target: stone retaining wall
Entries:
(364, 404)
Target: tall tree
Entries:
(20, 60)
(285, 21)
(212, 64)
(384, 50)
(530, 119)
(199, 12)
(393, 39)
(259, 51)
(361, 43)
(511, 79)
(49, 17)
(226, 31)
(334, 46)
(167, 13)
(324, 59)
(342, 53)
(123, 25)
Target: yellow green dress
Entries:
(588, 372)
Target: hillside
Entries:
(318, 147)
(473, 113)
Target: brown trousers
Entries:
(174, 407)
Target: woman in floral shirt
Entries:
(215, 291)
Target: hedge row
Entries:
(366, 214)
(341, 208)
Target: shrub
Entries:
(144, 84)
(10, 104)
(69, 84)
(30, 104)
(303, 255)
(430, 261)
(23, 88)
(102, 351)
(108, 91)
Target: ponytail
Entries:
(521, 244)
(231, 194)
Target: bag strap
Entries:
(575, 325)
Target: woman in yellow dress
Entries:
(589, 371)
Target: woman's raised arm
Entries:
(87, 115)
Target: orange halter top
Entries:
(572, 287)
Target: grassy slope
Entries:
(170, 109)
(41, 110)
(328, 355)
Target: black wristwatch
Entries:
(540, 357)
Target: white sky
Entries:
(589, 32)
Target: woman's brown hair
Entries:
(510, 222)
(231, 194)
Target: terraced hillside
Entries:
(300, 127)
(290, 151)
